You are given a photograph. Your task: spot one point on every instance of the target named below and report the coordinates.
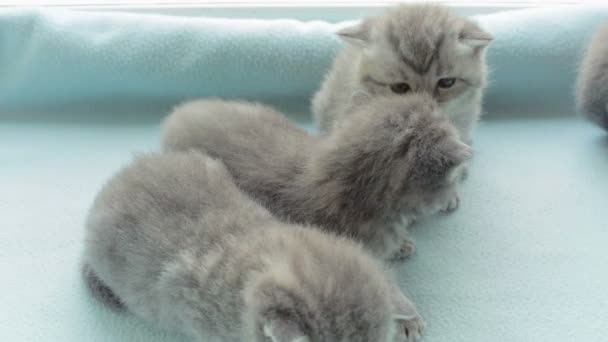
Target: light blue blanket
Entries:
(61, 57)
(524, 258)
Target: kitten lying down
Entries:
(592, 92)
(173, 240)
(393, 159)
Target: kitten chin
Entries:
(171, 239)
(592, 86)
(390, 161)
(408, 48)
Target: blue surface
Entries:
(523, 259)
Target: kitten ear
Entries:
(451, 154)
(281, 330)
(357, 35)
(473, 36)
(457, 152)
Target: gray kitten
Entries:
(592, 92)
(394, 159)
(409, 48)
(172, 239)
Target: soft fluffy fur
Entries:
(592, 92)
(172, 239)
(414, 44)
(392, 158)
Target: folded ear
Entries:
(358, 34)
(457, 152)
(473, 36)
(282, 330)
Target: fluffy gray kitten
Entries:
(392, 160)
(172, 239)
(409, 48)
(592, 92)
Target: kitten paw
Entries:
(464, 174)
(407, 249)
(452, 204)
(412, 329)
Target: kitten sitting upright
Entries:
(173, 240)
(409, 48)
(592, 89)
(395, 157)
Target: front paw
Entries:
(411, 330)
(409, 323)
(406, 250)
(452, 204)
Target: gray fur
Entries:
(173, 239)
(592, 90)
(417, 44)
(395, 158)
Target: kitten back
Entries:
(396, 143)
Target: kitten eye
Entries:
(400, 88)
(446, 82)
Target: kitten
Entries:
(592, 90)
(173, 240)
(409, 48)
(395, 158)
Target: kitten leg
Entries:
(464, 174)
(412, 330)
(407, 246)
(407, 317)
(451, 204)
(407, 249)
(459, 175)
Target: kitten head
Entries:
(420, 48)
(326, 290)
(592, 85)
(397, 150)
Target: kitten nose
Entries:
(430, 89)
(431, 95)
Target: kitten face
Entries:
(420, 48)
